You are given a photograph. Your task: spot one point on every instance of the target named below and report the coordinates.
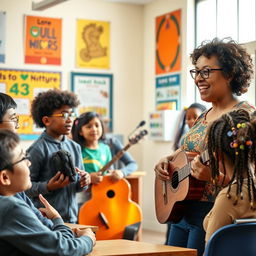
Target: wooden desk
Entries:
(72, 226)
(135, 179)
(127, 247)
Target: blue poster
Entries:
(168, 92)
(2, 36)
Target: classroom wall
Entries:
(153, 151)
(126, 51)
(132, 66)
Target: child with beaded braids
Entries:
(231, 147)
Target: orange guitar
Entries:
(181, 186)
(110, 207)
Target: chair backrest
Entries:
(233, 239)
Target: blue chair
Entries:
(238, 239)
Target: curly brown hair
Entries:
(45, 103)
(233, 59)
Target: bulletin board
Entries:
(95, 94)
(23, 86)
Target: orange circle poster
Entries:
(168, 43)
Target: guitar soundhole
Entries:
(175, 180)
(110, 194)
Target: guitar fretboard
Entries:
(185, 171)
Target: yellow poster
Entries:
(23, 86)
(93, 44)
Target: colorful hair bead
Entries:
(238, 125)
(248, 143)
(235, 144)
(229, 133)
(241, 147)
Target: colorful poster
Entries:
(43, 40)
(168, 43)
(95, 94)
(168, 92)
(93, 44)
(23, 86)
(2, 36)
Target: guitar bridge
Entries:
(164, 191)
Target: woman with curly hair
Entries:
(223, 69)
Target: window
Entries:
(225, 18)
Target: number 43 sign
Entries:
(23, 86)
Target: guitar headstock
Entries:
(137, 137)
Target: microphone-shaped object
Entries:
(137, 127)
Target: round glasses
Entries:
(9, 166)
(204, 73)
(65, 115)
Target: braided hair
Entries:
(233, 135)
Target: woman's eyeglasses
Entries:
(65, 115)
(204, 73)
(9, 166)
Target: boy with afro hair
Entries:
(54, 111)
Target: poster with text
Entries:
(93, 44)
(2, 36)
(23, 86)
(95, 94)
(43, 40)
(168, 92)
(168, 43)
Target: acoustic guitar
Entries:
(181, 186)
(110, 207)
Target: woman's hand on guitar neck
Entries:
(199, 170)
(161, 169)
(96, 177)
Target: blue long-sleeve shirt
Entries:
(48, 223)
(42, 170)
(22, 233)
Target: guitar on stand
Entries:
(181, 186)
(110, 207)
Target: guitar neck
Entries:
(115, 158)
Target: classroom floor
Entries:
(153, 237)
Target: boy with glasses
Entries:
(53, 110)
(9, 121)
(21, 231)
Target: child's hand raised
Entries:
(48, 211)
(58, 181)
(85, 178)
(96, 177)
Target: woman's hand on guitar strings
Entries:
(199, 170)
(161, 169)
